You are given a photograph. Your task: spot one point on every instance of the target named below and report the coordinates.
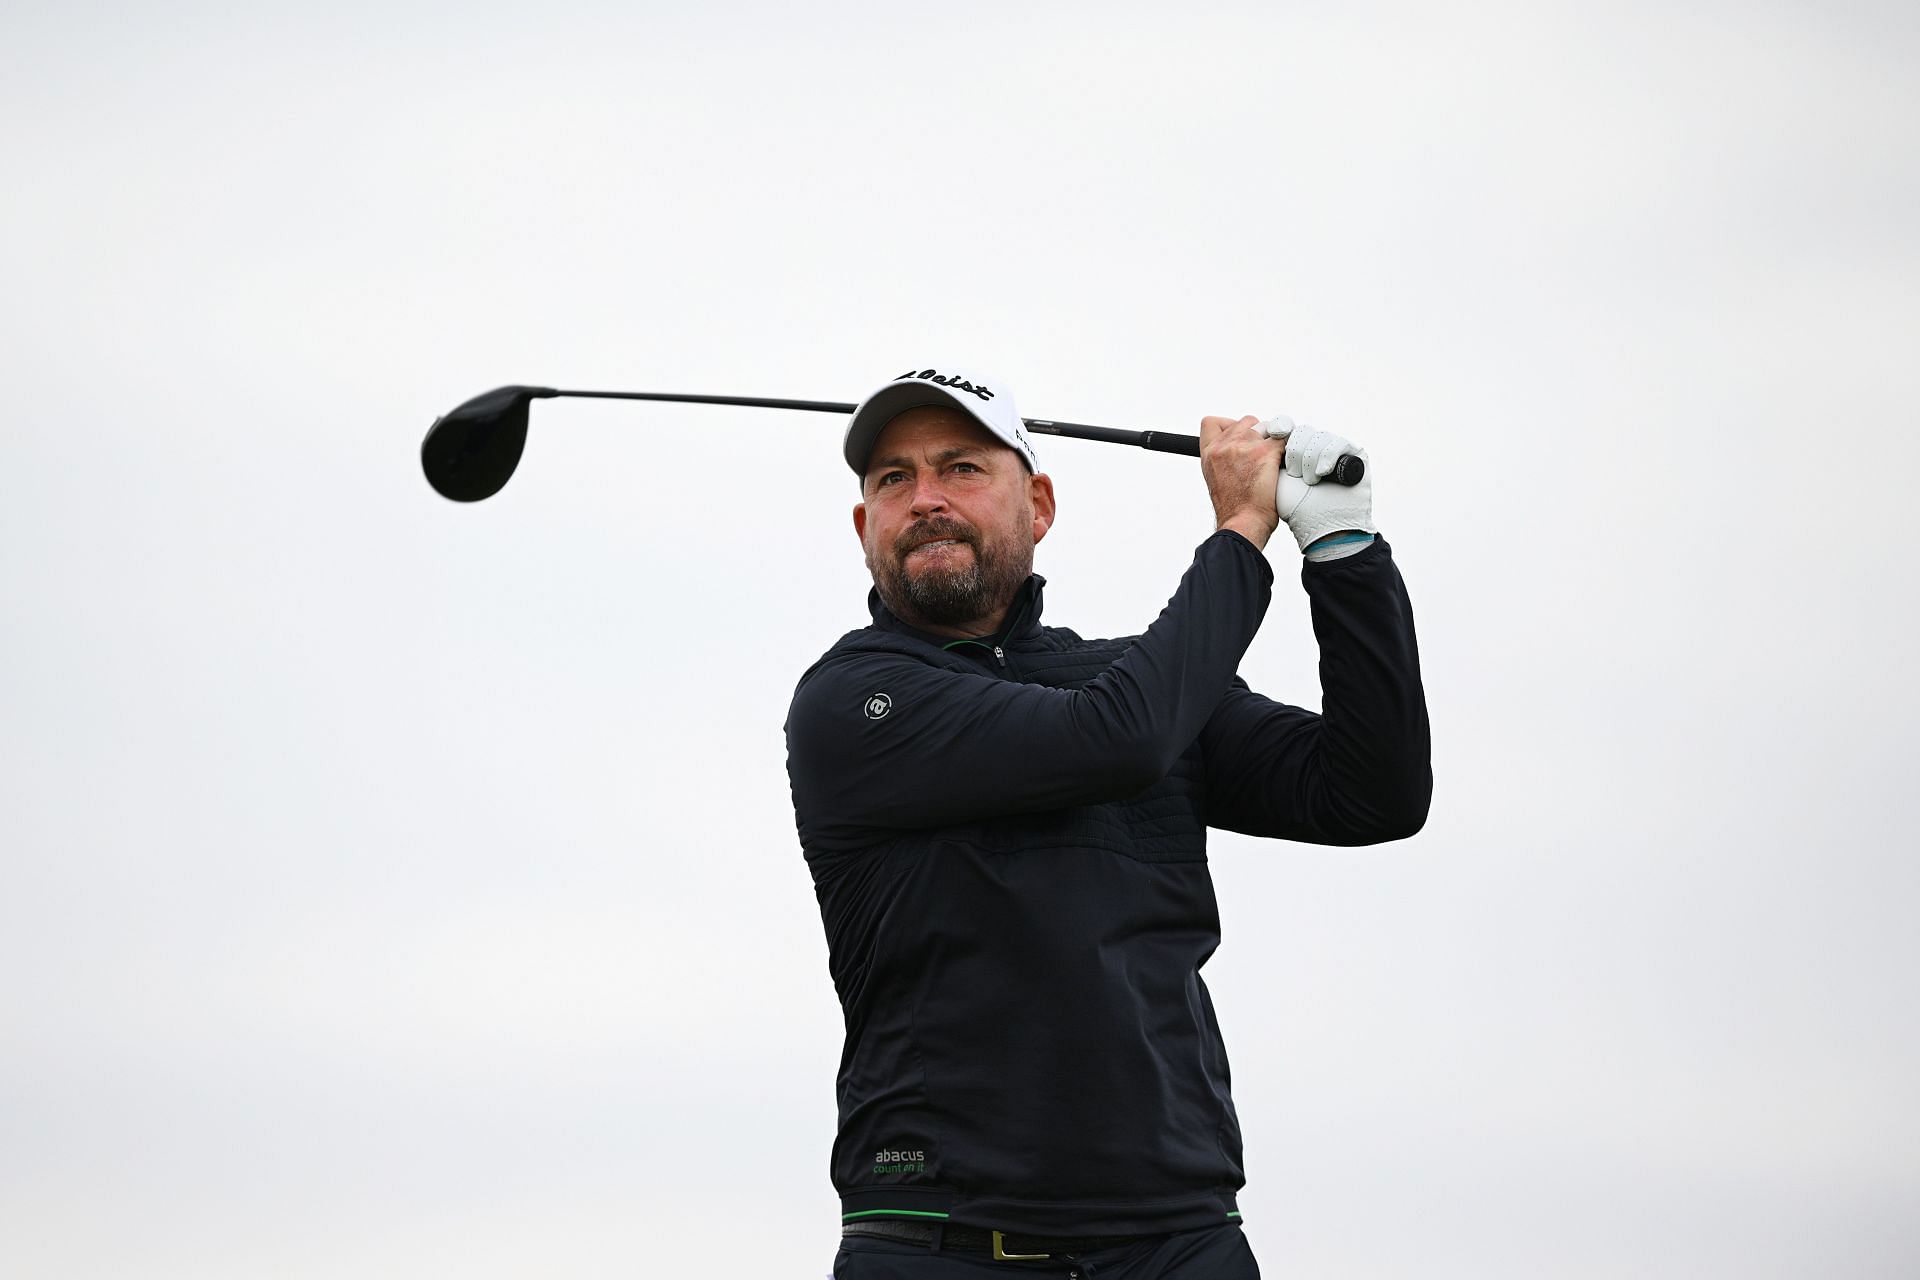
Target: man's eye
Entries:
(891, 476)
(965, 466)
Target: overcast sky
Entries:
(397, 888)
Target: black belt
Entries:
(998, 1245)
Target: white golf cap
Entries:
(983, 396)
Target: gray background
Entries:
(392, 888)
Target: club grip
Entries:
(1351, 469)
(1170, 442)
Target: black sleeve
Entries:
(1360, 772)
(956, 746)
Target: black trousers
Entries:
(1213, 1253)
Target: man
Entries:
(1006, 827)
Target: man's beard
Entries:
(948, 595)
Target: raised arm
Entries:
(892, 740)
(1360, 771)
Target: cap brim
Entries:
(889, 402)
(886, 404)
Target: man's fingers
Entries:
(1312, 454)
(1212, 428)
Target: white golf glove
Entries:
(1311, 509)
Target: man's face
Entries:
(949, 521)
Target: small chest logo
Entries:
(878, 706)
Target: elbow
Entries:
(1134, 763)
(1407, 814)
(1121, 752)
(1398, 813)
(1403, 827)
(1140, 766)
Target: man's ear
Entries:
(860, 521)
(1040, 488)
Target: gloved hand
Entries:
(1313, 510)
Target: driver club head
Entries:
(470, 453)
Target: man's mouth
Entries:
(934, 541)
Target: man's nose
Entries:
(928, 496)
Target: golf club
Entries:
(470, 453)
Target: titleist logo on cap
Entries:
(959, 384)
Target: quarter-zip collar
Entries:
(1022, 621)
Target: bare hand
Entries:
(1242, 468)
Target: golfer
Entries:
(1006, 828)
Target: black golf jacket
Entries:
(1008, 843)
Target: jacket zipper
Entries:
(999, 654)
